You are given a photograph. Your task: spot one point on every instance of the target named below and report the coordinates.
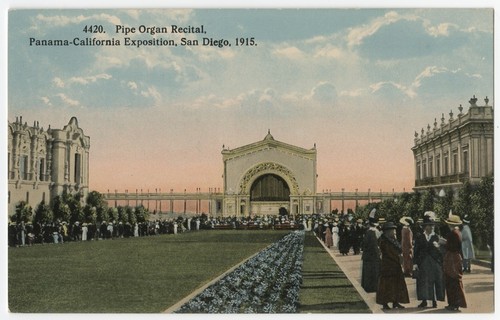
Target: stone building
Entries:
(45, 163)
(269, 175)
(456, 149)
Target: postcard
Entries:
(250, 160)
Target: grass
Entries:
(325, 288)
(135, 275)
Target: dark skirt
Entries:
(369, 275)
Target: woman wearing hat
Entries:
(452, 265)
(428, 265)
(467, 246)
(391, 283)
(370, 257)
(407, 245)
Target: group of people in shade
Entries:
(28, 233)
(437, 262)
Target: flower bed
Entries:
(267, 283)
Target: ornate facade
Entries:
(269, 175)
(455, 150)
(44, 163)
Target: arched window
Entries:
(270, 187)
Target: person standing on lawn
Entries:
(428, 265)
(391, 281)
(452, 265)
(467, 244)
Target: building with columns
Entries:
(456, 149)
(44, 163)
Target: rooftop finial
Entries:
(269, 136)
(473, 101)
(486, 100)
(460, 108)
(435, 123)
(442, 119)
(451, 115)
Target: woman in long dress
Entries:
(328, 236)
(370, 258)
(407, 245)
(335, 235)
(428, 265)
(467, 246)
(391, 283)
(452, 266)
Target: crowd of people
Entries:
(28, 233)
(435, 257)
(435, 254)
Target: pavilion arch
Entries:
(266, 168)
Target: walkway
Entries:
(478, 287)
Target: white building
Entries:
(457, 149)
(45, 163)
(262, 177)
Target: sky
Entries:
(357, 83)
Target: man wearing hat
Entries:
(452, 265)
(428, 265)
(370, 257)
(467, 246)
(391, 283)
(407, 245)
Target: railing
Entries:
(452, 178)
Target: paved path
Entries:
(478, 287)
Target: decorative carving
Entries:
(269, 167)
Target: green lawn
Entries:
(135, 275)
(325, 288)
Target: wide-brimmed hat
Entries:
(406, 221)
(359, 221)
(453, 220)
(388, 225)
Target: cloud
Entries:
(62, 20)
(356, 35)
(65, 99)
(46, 101)
(89, 79)
(323, 92)
(58, 82)
(151, 92)
(289, 52)
(442, 29)
(132, 85)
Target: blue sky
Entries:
(357, 82)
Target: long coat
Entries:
(428, 258)
(391, 281)
(371, 261)
(467, 247)
(452, 268)
(406, 247)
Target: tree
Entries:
(96, 200)
(60, 208)
(23, 212)
(463, 205)
(43, 214)
(482, 213)
(427, 201)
